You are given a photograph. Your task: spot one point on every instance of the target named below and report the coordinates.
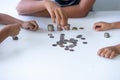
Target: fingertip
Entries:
(100, 50)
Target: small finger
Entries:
(58, 18)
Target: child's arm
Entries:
(102, 26)
(43, 8)
(115, 25)
(37, 7)
(9, 30)
(30, 6)
(3, 34)
(6, 19)
(80, 10)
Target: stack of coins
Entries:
(50, 27)
(106, 35)
(60, 29)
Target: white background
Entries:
(33, 58)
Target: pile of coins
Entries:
(62, 43)
(67, 44)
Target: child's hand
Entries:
(102, 26)
(13, 29)
(108, 52)
(57, 15)
(30, 25)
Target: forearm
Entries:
(115, 25)
(43, 13)
(74, 12)
(28, 7)
(118, 47)
(6, 19)
(3, 34)
(80, 10)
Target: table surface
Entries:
(33, 57)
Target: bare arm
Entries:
(3, 34)
(29, 7)
(9, 30)
(6, 19)
(37, 8)
(80, 10)
(115, 25)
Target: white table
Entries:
(32, 57)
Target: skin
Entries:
(110, 51)
(59, 15)
(13, 26)
(9, 30)
(30, 25)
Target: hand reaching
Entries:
(57, 15)
(30, 25)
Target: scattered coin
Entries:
(71, 50)
(15, 38)
(78, 36)
(74, 28)
(66, 48)
(71, 46)
(84, 42)
(81, 28)
(83, 38)
(54, 44)
(61, 45)
(51, 36)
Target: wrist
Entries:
(115, 25)
(112, 25)
(6, 30)
(118, 47)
